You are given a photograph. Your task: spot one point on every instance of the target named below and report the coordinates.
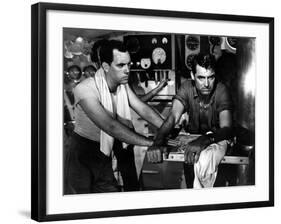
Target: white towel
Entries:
(205, 170)
(122, 109)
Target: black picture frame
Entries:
(40, 122)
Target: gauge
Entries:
(232, 41)
(145, 63)
(164, 40)
(68, 54)
(74, 74)
(192, 43)
(133, 45)
(154, 41)
(159, 55)
(216, 41)
(79, 40)
(189, 60)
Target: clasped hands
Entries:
(191, 148)
(155, 153)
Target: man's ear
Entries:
(192, 75)
(105, 66)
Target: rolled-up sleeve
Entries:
(182, 94)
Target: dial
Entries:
(216, 41)
(189, 60)
(232, 41)
(164, 40)
(74, 73)
(145, 63)
(192, 43)
(133, 45)
(154, 41)
(159, 55)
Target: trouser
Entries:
(188, 174)
(86, 168)
(126, 165)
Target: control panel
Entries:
(152, 62)
(223, 43)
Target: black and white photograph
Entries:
(157, 111)
(142, 112)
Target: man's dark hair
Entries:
(106, 50)
(95, 53)
(204, 60)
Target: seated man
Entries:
(208, 105)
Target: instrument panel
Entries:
(151, 62)
(223, 43)
(157, 48)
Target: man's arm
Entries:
(154, 153)
(144, 110)
(194, 148)
(96, 112)
(154, 91)
(225, 132)
(173, 118)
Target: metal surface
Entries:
(239, 160)
(246, 71)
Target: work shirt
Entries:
(203, 117)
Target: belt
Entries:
(83, 139)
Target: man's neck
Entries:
(111, 85)
(205, 99)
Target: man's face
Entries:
(204, 80)
(120, 67)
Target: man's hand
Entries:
(193, 149)
(155, 154)
(183, 141)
